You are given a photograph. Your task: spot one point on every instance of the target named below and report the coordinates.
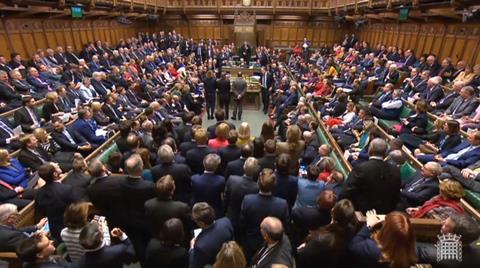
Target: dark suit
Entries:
(159, 210)
(208, 187)
(432, 94)
(374, 184)
(223, 86)
(268, 161)
(286, 187)
(50, 108)
(23, 118)
(266, 82)
(236, 188)
(462, 107)
(52, 200)
(281, 253)
(209, 242)
(305, 219)
(22, 87)
(104, 193)
(227, 154)
(109, 256)
(99, 87)
(211, 129)
(112, 112)
(445, 102)
(417, 191)
(255, 207)
(182, 131)
(194, 158)
(210, 87)
(65, 144)
(135, 192)
(9, 95)
(160, 255)
(239, 88)
(80, 182)
(186, 146)
(6, 132)
(71, 57)
(32, 160)
(61, 58)
(235, 167)
(417, 120)
(11, 237)
(181, 174)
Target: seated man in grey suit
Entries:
(463, 105)
(10, 236)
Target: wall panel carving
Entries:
(27, 35)
(458, 41)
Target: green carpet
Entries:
(252, 117)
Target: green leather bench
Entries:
(473, 198)
(103, 157)
(388, 124)
(407, 171)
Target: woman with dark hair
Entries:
(76, 217)
(439, 143)
(392, 246)
(328, 244)
(210, 87)
(267, 132)
(416, 122)
(165, 251)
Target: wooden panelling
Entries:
(457, 41)
(25, 36)
(278, 33)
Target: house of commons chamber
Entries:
(240, 133)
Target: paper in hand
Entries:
(17, 131)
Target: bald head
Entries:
(134, 165)
(271, 229)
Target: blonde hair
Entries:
(96, 106)
(51, 95)
(222, 131)
(451, 189)
(230, 256)
(244, 131)
(201, 136)
(4, 158)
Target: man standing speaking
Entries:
(239, 88)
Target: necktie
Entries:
(35, 152)
(415, 184)
(113, 111)
(69, 137)
(33, 117)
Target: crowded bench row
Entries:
(426, 229)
